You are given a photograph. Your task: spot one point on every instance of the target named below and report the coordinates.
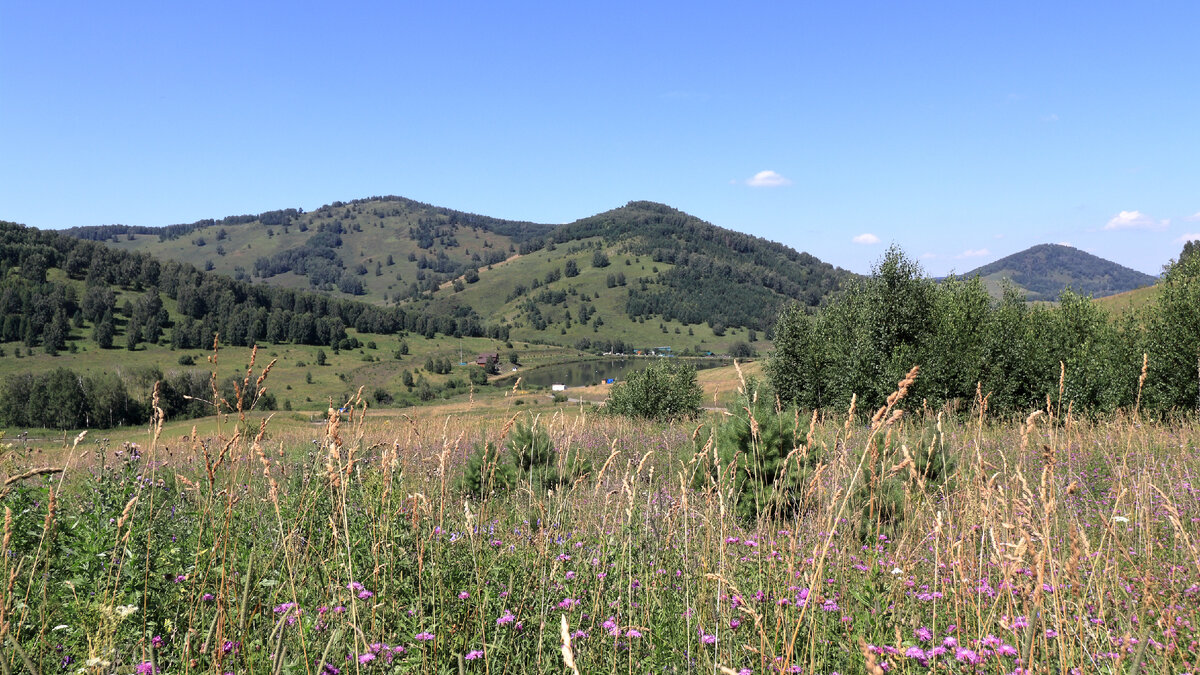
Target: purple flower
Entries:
(923, 634)
(966, 656)
(366, 658)
(708, 639)
(633, 633)
(915, 653)
(157, 641)
(473, 654)
(145, 668)
(506, 618)
(364, 594)
(424, 637)
(464, 595)
(207, 597)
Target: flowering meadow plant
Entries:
(1057, 545)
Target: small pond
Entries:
(587, 373)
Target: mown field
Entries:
(901, 540)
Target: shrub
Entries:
(760, 451)
(661, 392)
(486, 472)
(895, 479)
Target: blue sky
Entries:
(962, 131)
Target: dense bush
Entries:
(866, 339)
(664, 391)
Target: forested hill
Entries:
(685, 276)
(384, 250)
(716, 274)
(1042, 272)
(54, 288)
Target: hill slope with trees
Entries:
(620, 278)
(1044, 271)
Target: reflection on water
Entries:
(587, 373)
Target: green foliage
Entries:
(663, 391)
(865, 340)
(1172, 338)
(530, 458)
(761, 454)
(486, 472)
(896, 478)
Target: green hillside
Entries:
(1042, 272)
(86, 330)
(640, 275)
(379, 250)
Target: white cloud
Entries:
(1195, 217)
(1135, 220)
(866, 238)
(767, 179)
(1052, 117)
(1190, 236)
(928, 256)
(1066, 243)
(974, 253)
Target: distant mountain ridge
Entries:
(1042, 272)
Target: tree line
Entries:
(1011, 353)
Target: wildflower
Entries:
(950, 642)
(633, 633)
(507, 617)
(966, 656)
(473, 654)
(708, 639)
(207, 597)
(424, 637)
(366, 658)
(125, 610)
(1051, 633)
(923, 634)
(364, 594)
(830, 605)
(157, 641)
(329, 669)
(464, 595)
(915, 653)
(145, 668)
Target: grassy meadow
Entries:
(272, 544)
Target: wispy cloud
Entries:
(1190, 236)
(1195, 217)
(767, 179)
(866, 238)
(974, 253)
(1052, 117)
(1066, 243)
(1136, 220)
(928, 256)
